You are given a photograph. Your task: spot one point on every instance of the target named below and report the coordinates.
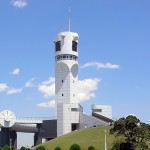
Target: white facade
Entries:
(104, 110)
(66, 117)
(66, 78)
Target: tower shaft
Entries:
(66, 78)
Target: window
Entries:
(57, 46)
(74, 109)
(62, 81)
(97, 110)
(66, 57)
(74, 46)
(70, 57)
(62, 94)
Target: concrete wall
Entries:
(104, 110)
(67, 114)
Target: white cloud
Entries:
(49, 81)
(101, 65)
(3, 87)
(19, 3)
(86, 88)
(14, 90)
(50, 104)
(48, 87)
(30, 83)
(16, 71)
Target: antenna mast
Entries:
(69, 21)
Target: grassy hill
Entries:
(84, 137)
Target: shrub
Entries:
(6, 147)
(75, 147)
(40, 148)
(57, 148)
(22, 148)
(91, 148)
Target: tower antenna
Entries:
(69, 21)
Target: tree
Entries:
(133, 131)
(117, 143)
(91, 148)
(57, 148)
(75, 147)
(116, 146)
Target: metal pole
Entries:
(105, 140)
(10, 143)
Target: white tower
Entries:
(66, 78)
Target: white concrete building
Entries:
(70, 114)
(66, 78)
(104, 110)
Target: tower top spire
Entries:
(69, 21)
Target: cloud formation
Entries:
(9, 90)
(48, 87)
(30, 83)
(16, 71)
(19, 3)
(49, 104)
(14, 90)
(3, 87)
(100, 65)
(86, 90)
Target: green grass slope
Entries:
(84, 137)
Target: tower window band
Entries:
(66, 57)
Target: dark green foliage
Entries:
(22, 148)
(116, 145)
(40, 148)
(133, 131)
(57, 148)
(25, 148)
(75, 147)
(6, 147)
(142, 146)
(91, 148)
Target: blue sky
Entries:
(114, 54)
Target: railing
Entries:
(32, 120)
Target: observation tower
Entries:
(66, 78)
